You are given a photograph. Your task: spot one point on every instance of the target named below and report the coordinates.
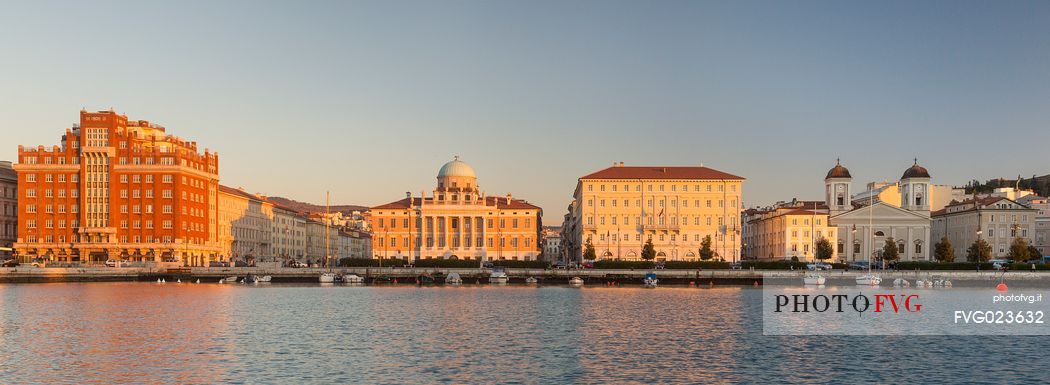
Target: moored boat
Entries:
(353, 278)
(229, 279)
(453, 279)
(650, 280)
(498, 275)
(327, 278)
(531, 281)
(869, 280)
(576, 281)
(263, 279)
(814, 279)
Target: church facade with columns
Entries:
(456, 221)
(864, 225)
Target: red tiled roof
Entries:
(501, 203)
(237, 191)
(647, 172)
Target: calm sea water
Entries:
(211, 333)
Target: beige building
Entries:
(890, 193)
(619, 208)
(1041, 240)
(245, 225)
(865, 221)
(997, 220)
(288, 234)
(788, 230)
(552, 250)
(457, 221)
(8, 208)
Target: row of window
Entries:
(456, 243)
(660, 188)
(454, 223)
(661, 203)
(661, 220)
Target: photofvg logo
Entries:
(792, 308)
(839, 303)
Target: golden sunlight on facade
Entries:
(456, 222)
(619, 208)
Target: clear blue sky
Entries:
(368, 99)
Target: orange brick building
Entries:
(118, 189)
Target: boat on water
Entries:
(250, 279)
(327, 278)
(814, 279)
(901, 282)
(650, 280)
(263, 279)
(869, 280)
(531, 281)
(229, 280)
(576, 281)
(498, 275)
(353, 278)
(453, 279)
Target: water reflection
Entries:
(208, 333)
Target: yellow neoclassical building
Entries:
(621, 207)
(788, 230)
(456, 222)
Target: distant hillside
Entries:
(1039, 184)
(312, 208)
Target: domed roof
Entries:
(916, 171)
(456, 168)
(838, 171)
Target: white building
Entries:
(864, 226)
(995, 219)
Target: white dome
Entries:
(456, 168)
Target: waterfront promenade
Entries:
(408, 275)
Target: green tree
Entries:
(648, 251)
(706, 253)
(1019, 250)
(943, 250)
(824, 250)
(889, 250)
(979, 251)
(588, 251)
(1034, 253)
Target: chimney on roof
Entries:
(621, 164)
(664, 169)
(408, 194)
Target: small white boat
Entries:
(229, 279)
(814, 279)
(327, 278)
(198, 280)
(453, 279)
(901, 282)
(353, 278)
(499, 275)
(531, 281)
(869, 280)
(576, 281)
(265, 278)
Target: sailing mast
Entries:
(327, 261)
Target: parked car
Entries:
(1000, 264)
(111, 263)
(859, 265)
(819, 266)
